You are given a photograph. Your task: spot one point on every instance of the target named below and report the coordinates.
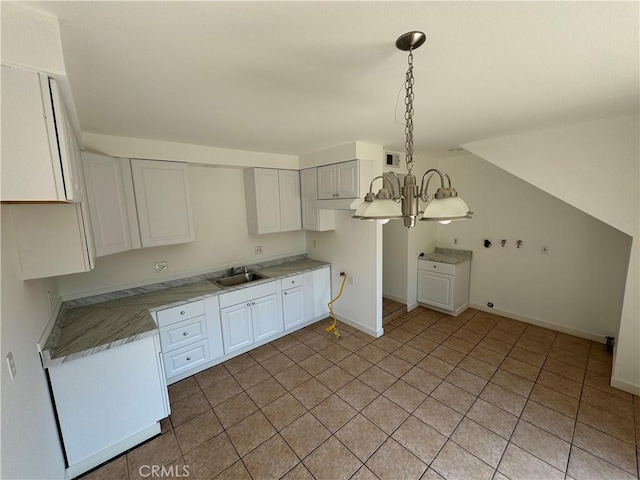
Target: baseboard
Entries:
(401, 300)
(108, 453)
(541, 323)
(412, 306)
(626, 386)
(359, 326)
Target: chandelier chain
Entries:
(408, 115)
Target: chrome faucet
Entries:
(236, 270)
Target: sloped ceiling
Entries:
(296, 77)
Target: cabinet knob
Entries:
(293, 281)
(185, 333)
(253, 303)
(188, 359)
(249, 304)
(435, 266)
(285, 293)
(182, 312)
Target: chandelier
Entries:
(394, 200)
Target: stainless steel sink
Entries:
(238, 279)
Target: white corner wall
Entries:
(30, 447)
(354, 247)
(577, 288)
(593, 166)
(395, 242)
(222, 240)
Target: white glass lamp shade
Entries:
(443, 209)
(362, 208)
(382, 208)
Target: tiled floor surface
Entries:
(478, 396)
(391, 310)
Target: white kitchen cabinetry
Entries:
(191, 338)
(40, 155)
(339, 180)
(163, 202)
(250, 315)
(293, 294)
(108, 402)
(444, 286)
(273, 200)
(313, 218)
(112, 205)
(137, 203)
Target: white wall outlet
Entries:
(545, 250)
(315, 244)
(455, 241)
(350, 280)
(161, 267)
(259, 250)
(12, 366)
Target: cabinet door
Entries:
(108, 206)
(236, 327)
(293, 307)
(267, 200)
(163, 201)
(289, 186)
(435, 289)
(266, 319)
(309, 193)
(327, 182)
(347, 179)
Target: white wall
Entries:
(222, 240)
(593, 166)
(353, 247)
(395, 241)
(30, 445)
(160, 150)
(578, 287)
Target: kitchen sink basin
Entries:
(238, 279)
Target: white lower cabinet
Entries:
(293, 307)
(250, 321)
(444, 286)
(191, 338)
(108, 402)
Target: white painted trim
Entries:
(412, 306)
(541, 323)
(47, 330)
(110, 452)
(448, 312)
(359, 326)
(394, 298)
(626, 386)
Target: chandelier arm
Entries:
(424, 188)
(399, 194)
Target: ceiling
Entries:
(297, 77)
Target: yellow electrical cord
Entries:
(333, 325)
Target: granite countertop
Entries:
(92, 324)
(448, 255)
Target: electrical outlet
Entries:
(161, 267)
(12, 366)
(351, 280)
(259, 250)
(455, 241)
(545, 250)
(315, 244)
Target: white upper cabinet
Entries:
(339, 180)
(313, 218)
(273, 200)
(290, 208)
(163, 202)
(40, 154)
(137, 203)
(110, 194)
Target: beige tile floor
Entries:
(478, 396)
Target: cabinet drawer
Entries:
(182, 312)
(183, 333)
(293, 281)
(185, 358)
(447, 268)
